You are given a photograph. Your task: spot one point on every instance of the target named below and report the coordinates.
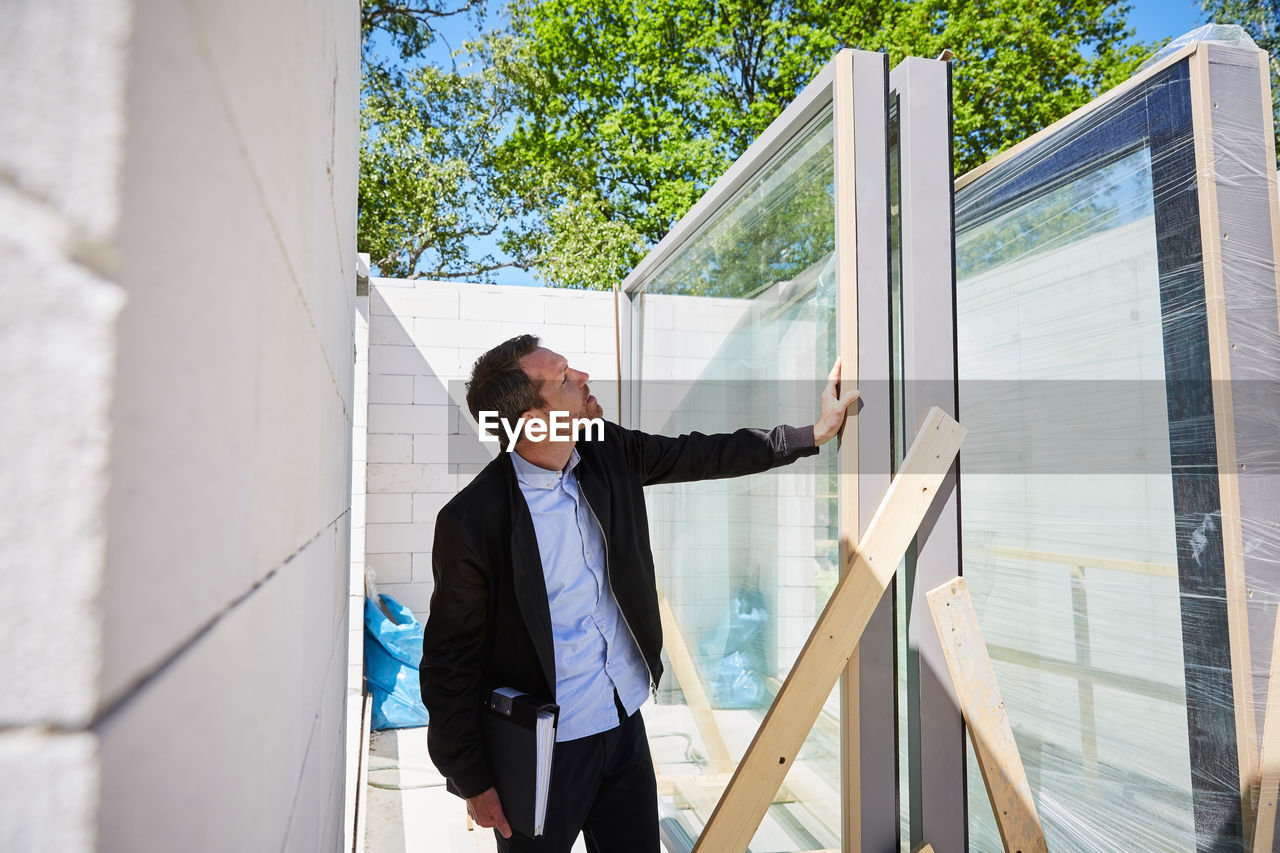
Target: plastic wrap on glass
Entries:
(1118, 346)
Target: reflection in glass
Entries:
(1072, 564)
(738, 329)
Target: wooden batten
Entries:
(1264, 833)
(833, 639)
(1224, 429)
(695, 695)
(846, 229)
(984, 715)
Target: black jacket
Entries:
(490, 624)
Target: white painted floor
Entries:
(409, 810)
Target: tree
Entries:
(431, 186)
(616, 115)
(410, 25)
(1261, 20)
(1019, 65)
(431, 183)
(644, 104)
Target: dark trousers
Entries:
(602, 786)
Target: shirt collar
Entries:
(532, 476)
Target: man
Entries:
(544, 582)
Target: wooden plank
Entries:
(984, 714)
(1269, 763)
(695, 696)
(834, 637)
(1224, 431)
(1268, 125)
(846, 227)
(1133, 567)
(923, 848)
(362, 783)
(1269, 785)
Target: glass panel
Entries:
(739, 329)
(1069, 540)
(903, 579)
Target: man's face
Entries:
(564, 388)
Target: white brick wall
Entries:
(712, 539)
(424, 337)
(177, 207)
(429, 333)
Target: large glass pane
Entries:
(1116, 286)
(738, 329)
(1069, 539)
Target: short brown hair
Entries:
(499, 384)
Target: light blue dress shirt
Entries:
(594, 649)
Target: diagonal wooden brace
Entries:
(834, 637)
(984, 714)
(1264, 831)
(695, 696)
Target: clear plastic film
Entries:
(1118, 354)
(1118, 360)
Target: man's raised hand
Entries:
(834, 408)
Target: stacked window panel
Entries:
(735, 319)
(1117, 350)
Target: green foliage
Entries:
(598, 123)
(1113, 195)
(430, 178)
(580, 247)
(781, 227)
(1261, 20)
(1019, 65)
(646, 103)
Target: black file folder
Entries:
(520, 735)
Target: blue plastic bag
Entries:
(736, 648)
(392, 652)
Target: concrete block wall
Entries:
(356, 585)
(758, 531)
(424, 337)
(177, 191)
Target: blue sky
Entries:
(1154, 21)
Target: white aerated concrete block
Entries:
(398, 360)
(390, 448)
(256, 682)
(62, 108)
(390, 568)
(392, 538)
(391, 389)
(389, 477)
(409, 418)
(48, 791)
(57, 367)
(390, 507)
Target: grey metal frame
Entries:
(935, 729)
(869, 744)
